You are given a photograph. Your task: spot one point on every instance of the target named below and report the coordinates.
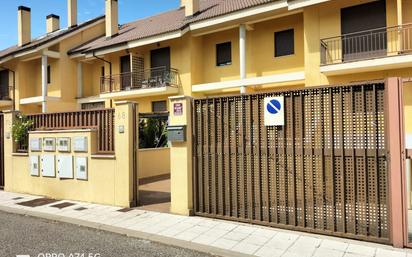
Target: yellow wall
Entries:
(99, 188)
(262, 60)
(110, 178)
(153, 162)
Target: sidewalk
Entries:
(207, 235)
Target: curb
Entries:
(127, 232)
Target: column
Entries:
(181, 173)
(242, 55)
(79, 80)
(9, 148)
(126, 140)
(44, 65)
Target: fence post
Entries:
(394, 105)
(181, 183)
(126, 135)
(9, 148)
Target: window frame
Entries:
(276, 36)
(160, 101)
(222, 64)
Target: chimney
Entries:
(52, 23)
(191, 7)
(112, 22)
(72, 13)
(24, 25)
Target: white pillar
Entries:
(242, 55)
(44, 82)
(79, 80)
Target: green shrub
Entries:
(20, 129)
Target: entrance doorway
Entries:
(364, 30)
(154, 160)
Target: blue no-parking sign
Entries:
(274, 111)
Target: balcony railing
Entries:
(151, 78)
(367, 44)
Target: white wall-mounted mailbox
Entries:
(63, 144)
(35, 144)
(65, 166)
(81, 168)
(80, 144)
(48, 165)
(49, 144)
(34, 165)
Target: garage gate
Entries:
(324, 172)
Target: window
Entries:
(48, 74)
(102, 71)
(224, 54)
(284, 43)
(159, 106)
(91, 106)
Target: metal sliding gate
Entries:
(1, 151)
(325, 171)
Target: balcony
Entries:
(155, 81)
(371, 50)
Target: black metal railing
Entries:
(367, 44)
(151, 78)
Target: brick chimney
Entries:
(191, 7)
(72, 13)
(112, 18)
(24, 25)
(52, 23)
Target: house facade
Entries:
(214, 50)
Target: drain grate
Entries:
(62, 205)
(37, 202)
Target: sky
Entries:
(129, 10)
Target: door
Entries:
(364, 30)
(125, 70)
(4, 85)
(159, 64)
(324, 171)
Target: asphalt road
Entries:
(22, 235)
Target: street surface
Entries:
(22, 235)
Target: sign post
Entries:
(274, 111)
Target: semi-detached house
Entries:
(217, 50)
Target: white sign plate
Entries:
(274, 111)
(35, 144)
(80, 144)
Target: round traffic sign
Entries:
(274, 106)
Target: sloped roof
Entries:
(166, 22)
(46, 38)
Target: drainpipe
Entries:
(101, 59)
(242, 55)
(14, 87)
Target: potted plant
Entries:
(20, 130)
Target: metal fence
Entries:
(151, 78)
(367, 44)
(324, 171)
(102, 120)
